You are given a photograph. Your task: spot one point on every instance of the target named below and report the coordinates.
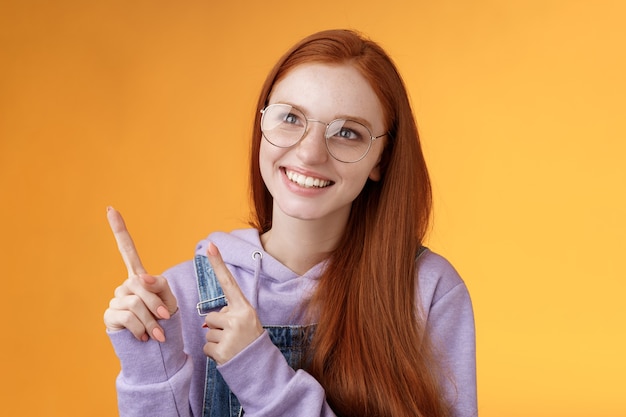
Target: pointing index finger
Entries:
(230, 287)
(125, 243)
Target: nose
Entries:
(312, 146)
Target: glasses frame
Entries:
(326, 135)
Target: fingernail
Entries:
(158, 334)
(109, 208)
(163, 313)
(144, 337)
(212, 249)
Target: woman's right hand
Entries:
(143, 298)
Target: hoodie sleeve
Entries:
(284, 392)
(450, 324)
(155, 377)
(164, 379)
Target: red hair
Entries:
(370, 350)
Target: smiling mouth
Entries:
(307, 182)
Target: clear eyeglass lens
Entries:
(347, 140)
(283, 125)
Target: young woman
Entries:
(329, 305)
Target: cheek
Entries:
(354, 179)
(268, 155)
(264, 164)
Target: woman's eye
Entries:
(291, 118)
(348, 134)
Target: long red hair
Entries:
(370, 350)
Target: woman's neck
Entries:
(302, 244)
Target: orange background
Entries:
(147, 106)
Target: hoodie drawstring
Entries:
(257, 256)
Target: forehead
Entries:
(328, 91)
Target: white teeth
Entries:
(305, 181)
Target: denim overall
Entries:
(292, 341)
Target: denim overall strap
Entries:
(217, 396)
(292, 341)
(209, 291)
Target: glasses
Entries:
(346, 140)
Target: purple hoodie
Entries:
(167, 379)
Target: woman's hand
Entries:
(143, 298)
(235, 326)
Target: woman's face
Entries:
(304, 180)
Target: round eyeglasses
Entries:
(347, 141)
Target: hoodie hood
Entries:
(241, 249)
(275, 291)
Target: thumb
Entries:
(159, 286)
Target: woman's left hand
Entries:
(235, 326)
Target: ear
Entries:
(375, 172)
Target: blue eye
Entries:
(347, 131)
(348, 134)
(291, 118)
